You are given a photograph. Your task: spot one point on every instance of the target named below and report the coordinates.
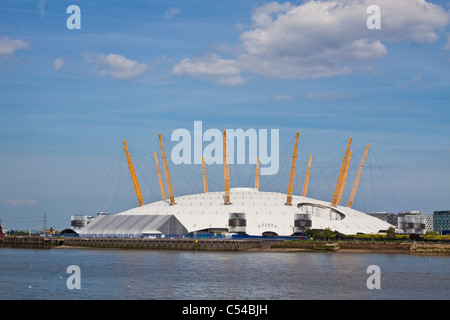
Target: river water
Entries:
(187, 275)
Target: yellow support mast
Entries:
(341, 175)
(305, 185)
(344, 178)
(226, 171)
(357, 179)
(205, 181)
(133, 176)
(257, 174)
(166, 171)
(292, 174)
(161, 184)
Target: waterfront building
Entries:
(410, 222)
(390, 218)
(79, 221)
(380, 215)
(407, 222)
(133, 226)
(441, 222)
(429, 225)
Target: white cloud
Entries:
(324, 38)
(211, 67)
(118, 66)
(327, 38)
(171, 12)
(411, 20)
(9, 46)
(58, 63)
(21, 202)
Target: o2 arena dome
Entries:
(260, 213)
(241, 210)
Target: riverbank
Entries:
(129, 243)
(364, 247)
(30, 242)
(247, 245)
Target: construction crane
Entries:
(133, 176)
(205, 181)
(166, 171)
(337, 189)
(292, 174)
(357, 179)
(257, 174)
(226, 171)
(161, 184)
(305, 184)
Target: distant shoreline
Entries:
(253, 245)
(274, 250)
(293, 250)
(431, 250)
(370, 247)
(323, 251)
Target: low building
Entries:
(441, 222)
(2, 231)
(429, 225)
(133, 226)
(79, 221)
(380, 215)
(390, 218)
(410, 222)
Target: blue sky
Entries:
(135, 68)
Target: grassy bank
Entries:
(333, 246)
(364, 246)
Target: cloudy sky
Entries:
(68, 97)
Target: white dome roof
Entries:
(264, 211)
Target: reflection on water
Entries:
(122, 274)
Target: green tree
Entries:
(309, 233)
(390, 235)
(327, 233)
(313, 233)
